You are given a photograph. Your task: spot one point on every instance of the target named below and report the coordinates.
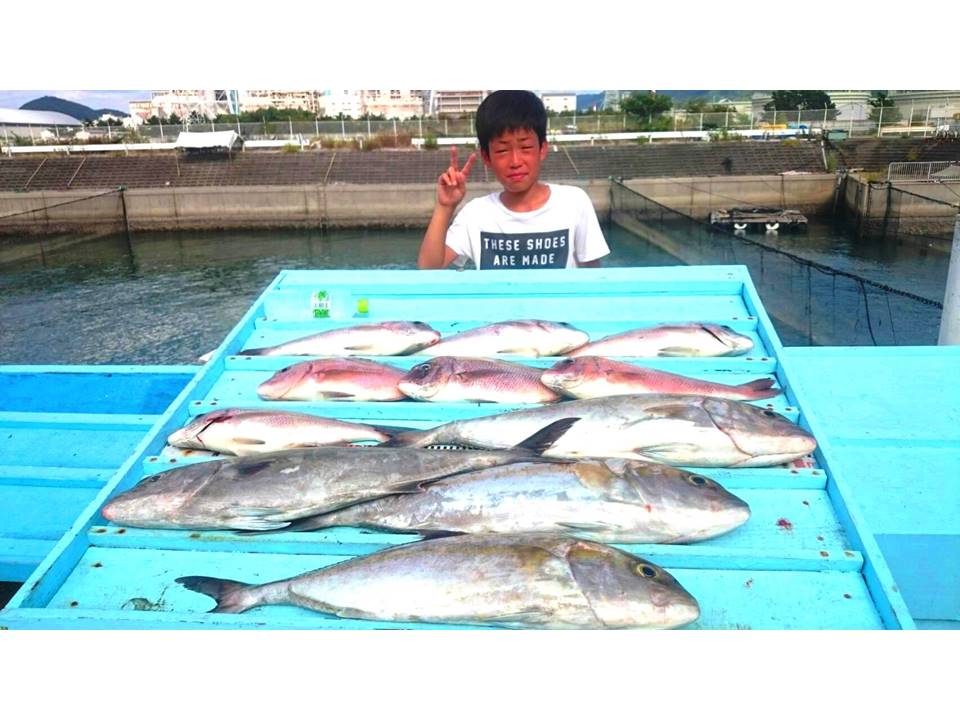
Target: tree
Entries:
(174, 119)
(645, 104)
(879, 100)
(799, 100)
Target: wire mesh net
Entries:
(808, 302)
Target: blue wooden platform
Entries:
(891, 418)
(64, 431)
(806, 559)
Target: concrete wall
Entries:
(698, 197)
(338, 205)
(879, 209)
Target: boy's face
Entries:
(514, 157)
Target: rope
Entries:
(826, 269)
(930, 199)
(68, 202)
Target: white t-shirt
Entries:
(497, 238)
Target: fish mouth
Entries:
(412, 390)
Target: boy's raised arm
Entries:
(451, 189)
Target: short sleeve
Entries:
(458, 237)
(590, 243)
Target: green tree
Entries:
(174, 119)
(891, 114)
(645, 104)
(799, 100)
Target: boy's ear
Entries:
(485, 156)
(544, 149)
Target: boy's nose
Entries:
(514, 158)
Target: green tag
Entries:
(320, 304)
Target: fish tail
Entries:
(545, 437)
(409, 438)
(759, 389)
(231, 596)
(391, 431)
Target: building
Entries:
(253, 100)
(565, 103)
(456, 102)
(183, 103)
(612, 98)
(942, 104)
(348, 103)
(142, 109)
(401, 104)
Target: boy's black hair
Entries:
(510, 110)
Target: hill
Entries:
(49, 103)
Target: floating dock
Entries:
(758, 218)
(808, 557)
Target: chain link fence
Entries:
(847, 121)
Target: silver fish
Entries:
(673, 429)
(238, 431)
(334, 379)
(519, 581)
(618, 501)
(670, 340)
(529, 338)
(456, 379)
(385, 338)
(269, 491)
(594, 376)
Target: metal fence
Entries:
(851, 120)
(931, 171)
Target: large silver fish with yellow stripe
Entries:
(674, 429)
(517, 581)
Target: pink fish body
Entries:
(334, 379)
(460, 379)
(670, 340)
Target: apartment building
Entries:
(456, 102)
(253, 100)
(142, 109)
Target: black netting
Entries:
(809, 303)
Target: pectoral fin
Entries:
(675, 352)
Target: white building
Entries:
(142, 109)
(456, 102)
(341, 102)
(565, 103)
(943, 104)
(253, 100)
(182, 103)
(401, 104)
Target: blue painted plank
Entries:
(927, 570)
(19, 557)
(42, 513)
(94, 447)
(46, 476)
(110, 389)
(103, 422)
(112, 580)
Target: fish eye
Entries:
(646, 571)
(698, 480)
(422, 369)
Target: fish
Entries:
(617, 501)
(673, 429)
(529, 338)
(511, 581)
(692, 339)
(334, 379)
(269, 491)
(595, 376)
(384, 338)
(459, 379)
(253, 431)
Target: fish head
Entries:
(419, 335)
(693, 506)
(425, 380)
(191, 436)
(571, 372)
(157, 499)
(566, 336)
(627, 591)
(738, 344)
(285, 381)
(766, 436)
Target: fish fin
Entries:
(310, 522)
(254, 351)
(337, 395)
(663, 450)
(546, 436)
(390, 431)
(761, 384)
(249, 441)
(254, 466)
(256, 519)
(532, 616)
(760, 389)
(410, 438)
(674, 352)
(360, 347)
(227, 593)
(434, 534)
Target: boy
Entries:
(530, 224)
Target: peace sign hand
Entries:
(452, 184)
